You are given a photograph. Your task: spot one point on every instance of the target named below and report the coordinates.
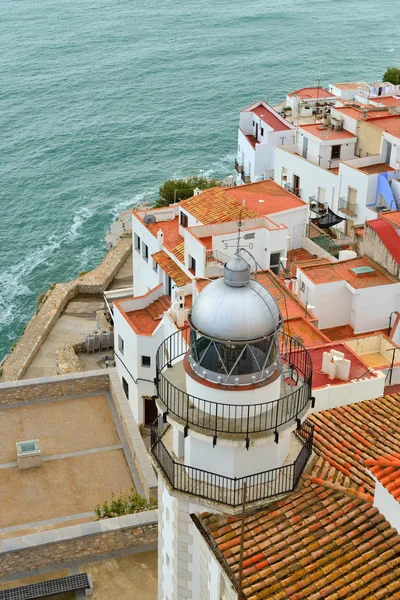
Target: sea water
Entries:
(102, 100)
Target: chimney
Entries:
(160, 239)
(336, 365)
(244, 201)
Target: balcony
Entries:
(231, 420)
(347, 208)
(228, 490)
(245, 178)
(293, 190)
(239, 168)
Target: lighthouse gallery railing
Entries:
(239, 419)
(229, 490)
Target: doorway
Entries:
(150, 410)
(296, 184)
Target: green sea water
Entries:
(101, 101)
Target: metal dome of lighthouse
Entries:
(235, 324)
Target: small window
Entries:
(145, 252)
(335, 152)
(262, 131)
(155, 266)
(126, 387)
(192, 264)
(146, 361)
(137, 242)
(302, 286)
(121, 345)
(254, 123)
(184, 219)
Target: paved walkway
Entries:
(77, 319)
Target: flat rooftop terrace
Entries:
(85, 459)
(120, 575)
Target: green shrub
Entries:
(175, 190)
(126, 503)
(392, 75)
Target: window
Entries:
(121, 345)
(145, 252)
(155, 266)
(126, 387)
(192, 264)
(184, 219)
(335, 152)
(137, 242)
(302, 286)
(262, 131)
(254, 123)
(146, 361)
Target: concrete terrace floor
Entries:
(77, 319)
(85, 459)
(119, 576)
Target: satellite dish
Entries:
(149, 219)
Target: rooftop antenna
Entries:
(236, 241)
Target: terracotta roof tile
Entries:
(179, 252)
(346, 437)
(317, 543)
(216, 205)
(171, 268)
(386, 469)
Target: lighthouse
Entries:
(233, 390)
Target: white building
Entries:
(261, 128)
(349, 292)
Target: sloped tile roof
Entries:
(179, 252)
(347, 436)
(216, 205)
(319, 543)
(387, 470)
(171, 268)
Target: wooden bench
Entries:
(52, 587)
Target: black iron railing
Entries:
(241, 419)
(229, 490)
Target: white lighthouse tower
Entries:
(232, 390)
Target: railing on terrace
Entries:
(216, 256)
(229, 490)
(290, 188)
(239, 168)
(347, 208)
(323, 240)
(237, 419)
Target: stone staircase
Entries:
(157, 308)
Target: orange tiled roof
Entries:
(324, 133)
(319, 543)
(341, 271)
(387, 470)
(171, 268)
(312, 93)
(179, 252)
(216, 205)
(347, 436)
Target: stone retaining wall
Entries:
(67, 360)
(93, 282)
(76, 542)
(58, 386)
(134, 439)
